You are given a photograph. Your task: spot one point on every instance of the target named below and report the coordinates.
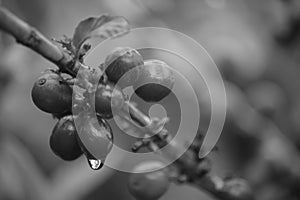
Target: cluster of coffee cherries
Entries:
(52, 93)
(152, 81)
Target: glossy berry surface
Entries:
(63, 141)
(107, 96)
(96, 136)
(51, 94)
(151, 184)
(123, 64)
(155, 81)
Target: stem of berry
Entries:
(30, 37)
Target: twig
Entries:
(33, 39)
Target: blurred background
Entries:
(255, 45)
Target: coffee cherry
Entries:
(148, 183)
(96, 136)
(107, 96)
(63, 140)
(123, 61)
(51, 94)
(155, 81)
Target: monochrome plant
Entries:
(53, 92)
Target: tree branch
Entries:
(32, 38)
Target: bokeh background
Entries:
(255, 45)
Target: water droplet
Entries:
(95, 164)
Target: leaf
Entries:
(104, 26)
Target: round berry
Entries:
(96, 136)
(149, 182)
(63, 140)
(155, 81)
(123, 61)
(106, 97)
(51, 94)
